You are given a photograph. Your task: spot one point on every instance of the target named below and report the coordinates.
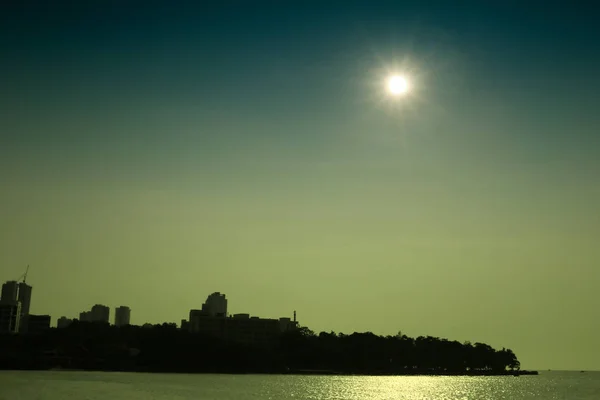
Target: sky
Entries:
(153, 153)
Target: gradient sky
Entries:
(153, 153)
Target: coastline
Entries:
(168, 349)
(305, 372)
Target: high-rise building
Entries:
(63, 322)
(24, 297)
(10, 290)
(215, 305)
(17, 293)
(122, 316)
(10, 316)
(100, 313)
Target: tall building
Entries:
(122, 316)
(14, 293)
(10, 290)
(10, 316)
(24, 297)
(215, 305)
(100, 313)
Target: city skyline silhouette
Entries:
(151, 155)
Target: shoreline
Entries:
(299, 372)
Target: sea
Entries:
(75, 385)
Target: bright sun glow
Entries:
(397, 85)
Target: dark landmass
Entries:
(164, 348)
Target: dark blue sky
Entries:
(237, 54)
(253, 142)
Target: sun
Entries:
(397, 85)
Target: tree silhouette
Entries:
(165, 348)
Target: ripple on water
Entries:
(129, 386)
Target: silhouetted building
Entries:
(37, 323)
(100, 313)
(252, 330)
(24, 297)
(201, 322)
(122, 316)
(14, 293)
(85, 316)
(286, 324)
(10, 315)
(241, 328)
(215, 305)
(10, 290)
(63, 322)
(185, 325)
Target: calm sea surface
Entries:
(118, 386)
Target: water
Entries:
(120, 386)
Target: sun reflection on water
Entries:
(405, 387)
(46, 385)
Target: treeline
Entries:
(164, 348)
(399, 354)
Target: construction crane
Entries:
(24, 276)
